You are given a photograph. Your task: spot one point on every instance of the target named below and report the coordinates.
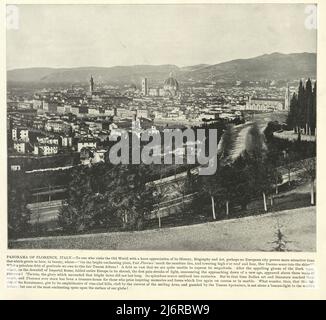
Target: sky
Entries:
(184, 35)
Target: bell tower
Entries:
(91, 85)
(287, 98)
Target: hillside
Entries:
(269, 66)
(255, 233)
(126, 74)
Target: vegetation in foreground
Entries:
(259, 233)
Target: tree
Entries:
(191, 189)
(277, 179)
(208, 184)
(292, 118)
(228, 180)
(287, 162)
(146, 199)
(72, 217)
(18, 213)
(130, 196)
(211, 184)
(226, 144)
(157, 200)
(260, 174)
(280, 242)
(186, 186)
(103, 195)
(308, 167)
(68, 218)
(308, 107)
(314, 108)
(255, 144)
(98, 176)
(302, 112)
(260, 171)
(301, 106)
(190, 184)
(264, 179)
(242, 192)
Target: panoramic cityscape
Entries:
(151, 155)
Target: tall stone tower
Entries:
(144, 86)
(91, 85)
(287, 98)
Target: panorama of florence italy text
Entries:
(176, 127)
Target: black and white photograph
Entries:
(164, 127)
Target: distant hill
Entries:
(125, 74)
(275, 66)
(193, 68)
(269, 66)
(28, 74)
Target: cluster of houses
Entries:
(44, 135)
(72, 120)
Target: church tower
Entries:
(144, 86)
(91, 85)
(287, 98)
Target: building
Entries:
(20, 146)
(141, 113)
(89, 156)
(152, 130)
(23, 105)
(38, 124)
(109, 112)
(66, 141)
(265, 104)
(20, 134)
(50, 107)
(153, 92)
(91, 85)
(287, 98)
(124, 113)
(93, 111)
(67, 108)
(171, 86)
(45, 149)
(161, 92)
(14, 134)
(75, 110)
(227, 116)
(61, 109)
(37, 104)
(48, 140)
(15, 167)
(86, 143)
(86, 155)
(99, 156)
(207, 116)
(57, 126)
(144, 86)
(24, 135)
(115, 131)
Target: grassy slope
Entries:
(246, 234)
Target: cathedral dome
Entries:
(171, 85)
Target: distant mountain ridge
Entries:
(275, 66)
